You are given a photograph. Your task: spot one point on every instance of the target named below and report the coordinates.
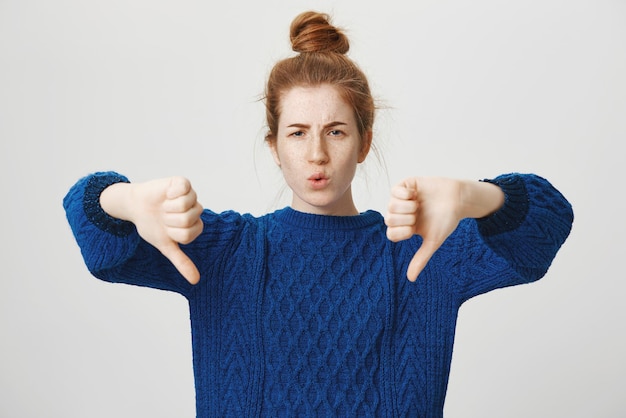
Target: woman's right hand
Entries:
(166, 213)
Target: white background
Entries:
(152, 88)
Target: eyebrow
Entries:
(328, 125)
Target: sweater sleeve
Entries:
(518, 243)
(111, 248)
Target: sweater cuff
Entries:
(516, 204)
(94, 212)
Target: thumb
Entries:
(420, 259)
(182, 262)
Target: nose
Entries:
(318, 153)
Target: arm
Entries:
(433, 208)
(109, 216)
(165, 212)
(528, 231)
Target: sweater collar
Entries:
(298, 219)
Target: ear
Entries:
(365, 146)
(274, 150)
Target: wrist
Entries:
(480, 199)
(95, 185)
(115, 201)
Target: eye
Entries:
(297, 134)
(335, 132)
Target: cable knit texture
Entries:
(312, 316)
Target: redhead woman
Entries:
(321, 308)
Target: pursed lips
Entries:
(318, 180)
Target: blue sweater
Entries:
(308, 315)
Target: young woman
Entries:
(306, 311)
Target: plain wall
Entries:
(153, 88)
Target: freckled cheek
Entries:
(349, 159)
(290, 163)
(291, 156)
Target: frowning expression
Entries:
(318, 147)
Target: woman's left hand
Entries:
(432, 208)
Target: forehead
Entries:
(318, 104)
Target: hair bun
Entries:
(312, 32)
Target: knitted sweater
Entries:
(308, 315)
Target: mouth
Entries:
(318, 180)
(317, 176)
